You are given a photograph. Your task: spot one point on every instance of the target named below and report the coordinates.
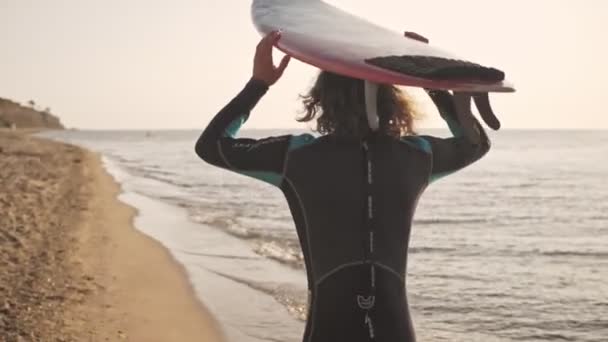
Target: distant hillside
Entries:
(12, 113)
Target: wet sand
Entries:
(72, 267)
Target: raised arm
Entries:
(217, 144)
(453, 154)
(457, 152)
(264, 158)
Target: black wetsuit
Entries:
(352, 202)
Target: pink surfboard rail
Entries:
(326, 37)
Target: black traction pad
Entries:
(437, 68)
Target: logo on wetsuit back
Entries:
(366, 303)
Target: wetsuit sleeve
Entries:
(259, 158)
(457, 152)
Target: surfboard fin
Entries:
(482, 102)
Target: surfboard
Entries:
(331, 39)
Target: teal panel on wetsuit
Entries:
(272, 178)
(425, 145)
(268, 177)
(438, 176)
(234, 126)
(418, 142)
(457, 132)
(295, 142)
(265, 176)
(299, 141)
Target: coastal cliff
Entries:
(15, 115)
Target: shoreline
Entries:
(106, 280)
(160, 301)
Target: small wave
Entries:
(147, 171)
(520, 185)
(229, 225)
(163, 177)
(570, 325)
(590, 254)
(265, 288)
(545, 337)
(452, 277)
(293, 299)
(225, 256)
(156, 173)
(242, 232)
(422, 250)
(495, 295)
(447, 221)
(281, 248)
(599, 218)
(120, 159)
(446, 309)
(281, 251)
(512, 218)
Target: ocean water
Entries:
(513, 248)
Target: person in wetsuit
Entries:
(352, 192)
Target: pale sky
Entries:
(172, 64)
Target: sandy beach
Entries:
(73, 268)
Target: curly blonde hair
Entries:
(338, 104)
